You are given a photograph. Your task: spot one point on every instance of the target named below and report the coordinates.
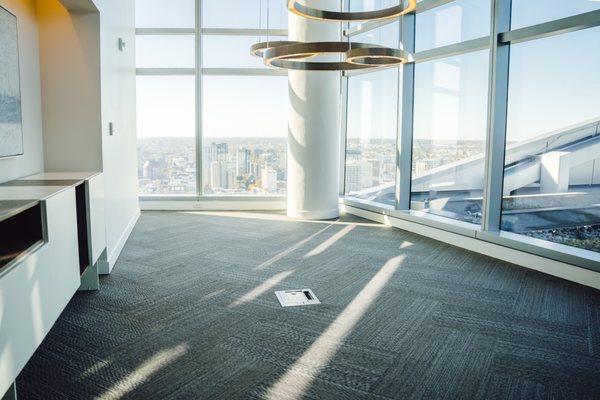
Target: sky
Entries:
(553, 81)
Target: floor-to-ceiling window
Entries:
(449, 136)
(211, 118)
(450, 110)
(244, 120)
(552, 159)
(494, 137)
(165, 97)
(244, 103)
(372, 124)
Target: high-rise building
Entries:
(268, 179)
(243, 161)
(359, 176)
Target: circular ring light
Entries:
(376, 56)
(371, 56)
(284, 56)
(405, 7)
(258, 49)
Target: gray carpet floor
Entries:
(189, 312)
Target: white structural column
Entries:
(314, 125)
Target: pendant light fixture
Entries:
(357, 56)
(294, 55)
(404, 7)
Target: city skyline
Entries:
(254, 166)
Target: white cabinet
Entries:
(35, 291)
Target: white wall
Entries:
(70, 76)
(87, 82)
(117, 20)
(32, 160)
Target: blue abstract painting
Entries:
(11, 128)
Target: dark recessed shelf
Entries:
(82, 228)
(21, 228)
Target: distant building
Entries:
(268, 179)
(216, 175)
(353, 155)
(244, 157)
(359, 176)
(420, 167)
(151, 170)
(230, 165)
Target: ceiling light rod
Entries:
(405, 7)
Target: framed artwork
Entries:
(11, 124)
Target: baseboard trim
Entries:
(222, 205)
(314, 215)
(527, 260)
(116, 252)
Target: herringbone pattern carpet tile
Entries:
(189, 313)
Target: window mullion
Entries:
(198, 107)
(497, 115)
(406, 116)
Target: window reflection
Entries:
(552, 172)
(449, 136)
(451, 23)
(371, 138)
(531, 12)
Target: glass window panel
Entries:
(452, 23)
(369, 5)
(552, 172)
(371, 136)
(232, 51)
(244, 123)
(165, 51)
(531, 12)
(387, 35)
(449, 136)
(165, 14)
(248, 14)
(166, 134)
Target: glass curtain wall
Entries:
(450, 110)
(166, 101)
(211, 118)
(549, 193)
(372, 124)
(449, 134)
(244, 111)
(451, 23)
(552, 158)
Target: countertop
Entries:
(9, 208)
